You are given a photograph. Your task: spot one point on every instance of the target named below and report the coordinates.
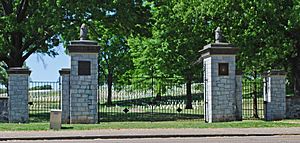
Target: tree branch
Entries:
(28, 43)
(103, 72)
(31, 51)
(37, 42)
(35, 37)
(3, 58)
(94, 30)
(7, 6)
(22, 10)
(106, 60)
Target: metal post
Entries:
(152, 78)
(205, 94)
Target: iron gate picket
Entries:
(150, 99)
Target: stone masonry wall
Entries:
(293, 107)
(18, 98)
(65, 98)
(83, 90)
(275, 106)
(220, 90)
(3, 109)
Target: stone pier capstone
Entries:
(222, 99)
(83, 81)
(18, 81)
(275, 95)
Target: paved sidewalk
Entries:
(145, 133)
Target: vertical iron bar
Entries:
(152, 92)
(205, 95)
(99, 90)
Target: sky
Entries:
(45, 68)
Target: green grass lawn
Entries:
(151, 125)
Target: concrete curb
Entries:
(138, 136)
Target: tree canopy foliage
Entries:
(266, 31)
(31, 26)
(140, 37)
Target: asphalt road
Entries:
(251, 139)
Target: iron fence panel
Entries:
(150, 99)
(253, 100)
(3, 90)
(43, 96)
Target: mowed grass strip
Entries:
(152, 125)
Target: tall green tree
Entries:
(27, 27)
(266, 31)
(172, 48)
(32, 26)
(256, 27)
(122, 19)
(114, 62)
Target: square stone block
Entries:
(55, 119)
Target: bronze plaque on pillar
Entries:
(84, 68)
(223, 69)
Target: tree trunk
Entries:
(159, 92)
(296, 70)
(158, 96)
(15, 55)
(295, 61)
(296, 73)
(15, 60)
(189, 99)
(109, 89)
(255, 114)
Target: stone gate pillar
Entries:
(239, 95)
(65, 98)
(274, 95)
(83, 80)
(220, 81)
(18, 82)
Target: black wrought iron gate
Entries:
(150, 99)
(43, 96)
(253, 99)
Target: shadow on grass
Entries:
(124, 117)
(66, 128)
(39, 117)
(146, 116)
